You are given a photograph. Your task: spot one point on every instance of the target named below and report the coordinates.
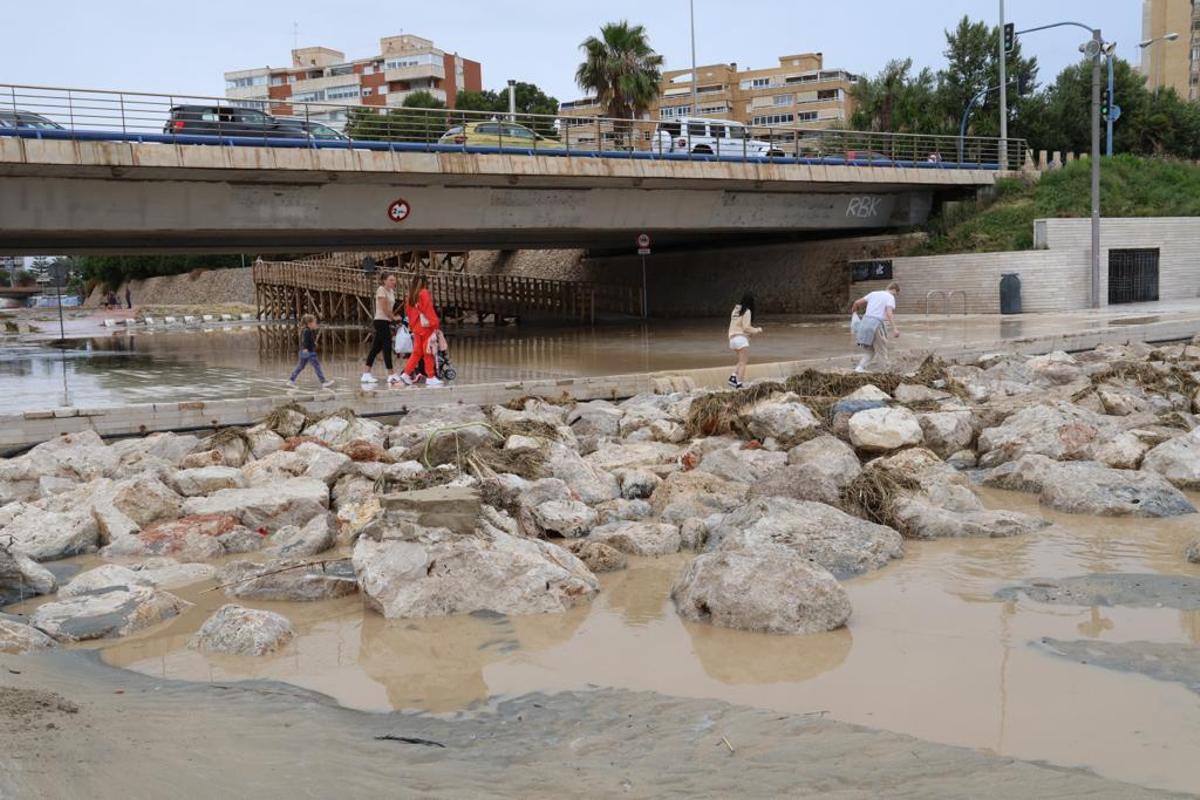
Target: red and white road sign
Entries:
(399, 210)
(643, 240)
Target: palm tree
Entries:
(621, 69)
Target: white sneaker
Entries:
(859, 369)
(403, 378)
(327, 385)
(433, 382)
(291, 384)
(369, 378)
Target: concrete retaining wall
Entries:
(200, 288)
(1055, 278)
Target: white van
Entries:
(716, 137)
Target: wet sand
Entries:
(135, 736)
(929, 651)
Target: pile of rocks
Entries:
(515, 509)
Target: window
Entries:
(829, 94)
(367, 91)
(243, 83)
(518, 132)
(697, 129)
(490, 128)
(341, 69)
(671, 128)
(806, 116)
(760, 83)
(783, 99)
(717, 131)
(737, 132)
(382, 89)
(408, 61)
(278, 80)
(667, 112)
(310, 97)
(718, 109)
(773, 119)
(337, 92)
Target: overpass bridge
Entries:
(116, 176)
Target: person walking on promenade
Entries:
(424, 323)
(128, 297)
(878, 322)
(308, 352)
(381, 335)
(741, 328)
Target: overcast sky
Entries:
(186, 47)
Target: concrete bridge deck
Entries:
(80, 196)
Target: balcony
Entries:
(396, 99)
(415, 72)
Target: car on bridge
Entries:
(16, 118)
(711, 137)
(220, 120)
(316, 130)
(499, 133)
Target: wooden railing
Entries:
(309, 284)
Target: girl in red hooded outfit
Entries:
(423, 321)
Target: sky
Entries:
(186, 47)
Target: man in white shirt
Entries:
(878, 310)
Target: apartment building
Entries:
(405, 64)
(1175, 64)
(798, 92)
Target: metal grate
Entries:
(1132, 276)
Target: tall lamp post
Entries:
(1166, 37)
(1094, 49)
(695, 77)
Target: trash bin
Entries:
(1010, 293)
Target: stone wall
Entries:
(1056, 277)
(795, 278)
(207, 287)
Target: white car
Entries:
(716, 137)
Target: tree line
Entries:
(1053, 117)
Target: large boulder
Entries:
(829, 456)
(1086, 487)
(533, 409)
(947, 432)
(145, 500)
(415, 427)
(22, 577)
(1060, 431)
(105, 614)
(566, 519)
(167, 573)
(452, 444)
(338, 430)
(840, 543)
(771, 589)
(597, 556)
(192, 538)
(107, 577)
(281, 465)
(51, 535)
(323, 464)
(263, 441)
(1126, 450)
(290, 502)
(782, 417)
(171, 448)
(1192, 554)
(595, 418)
(637, 484)
(738, 464)
(944, 505)
(799, 482)
(295, 580)
(316, 536)
(589, 483)
(695, 494)
(17, 638)
(1177, 460)
(437, 573)
(614, 456)
(639, 538)
(207, 480)
(881, 430)
(234, 630)
(79, 456)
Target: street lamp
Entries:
(695, 77)
(1166, 37)
(1094, 49)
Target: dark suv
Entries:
(217, 120)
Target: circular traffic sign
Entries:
(643, 240)
(399, 210)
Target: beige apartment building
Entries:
(1175, 64)
(799, 92)
(405, 64)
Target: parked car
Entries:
(498, 133)
(314, 129)
(718, 137)
(219, 120)
(10, 118)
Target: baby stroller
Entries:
(437, 346)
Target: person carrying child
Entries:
(308, 352)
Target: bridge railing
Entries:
(382, 122)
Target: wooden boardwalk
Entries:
(324, 286)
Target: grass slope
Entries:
(1129, 187)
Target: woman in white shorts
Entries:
(740, 331)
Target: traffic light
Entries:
(1010, 37)
(1104, 104)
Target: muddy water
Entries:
(252, 361)
(928, 652)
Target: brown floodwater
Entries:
(928, 651)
